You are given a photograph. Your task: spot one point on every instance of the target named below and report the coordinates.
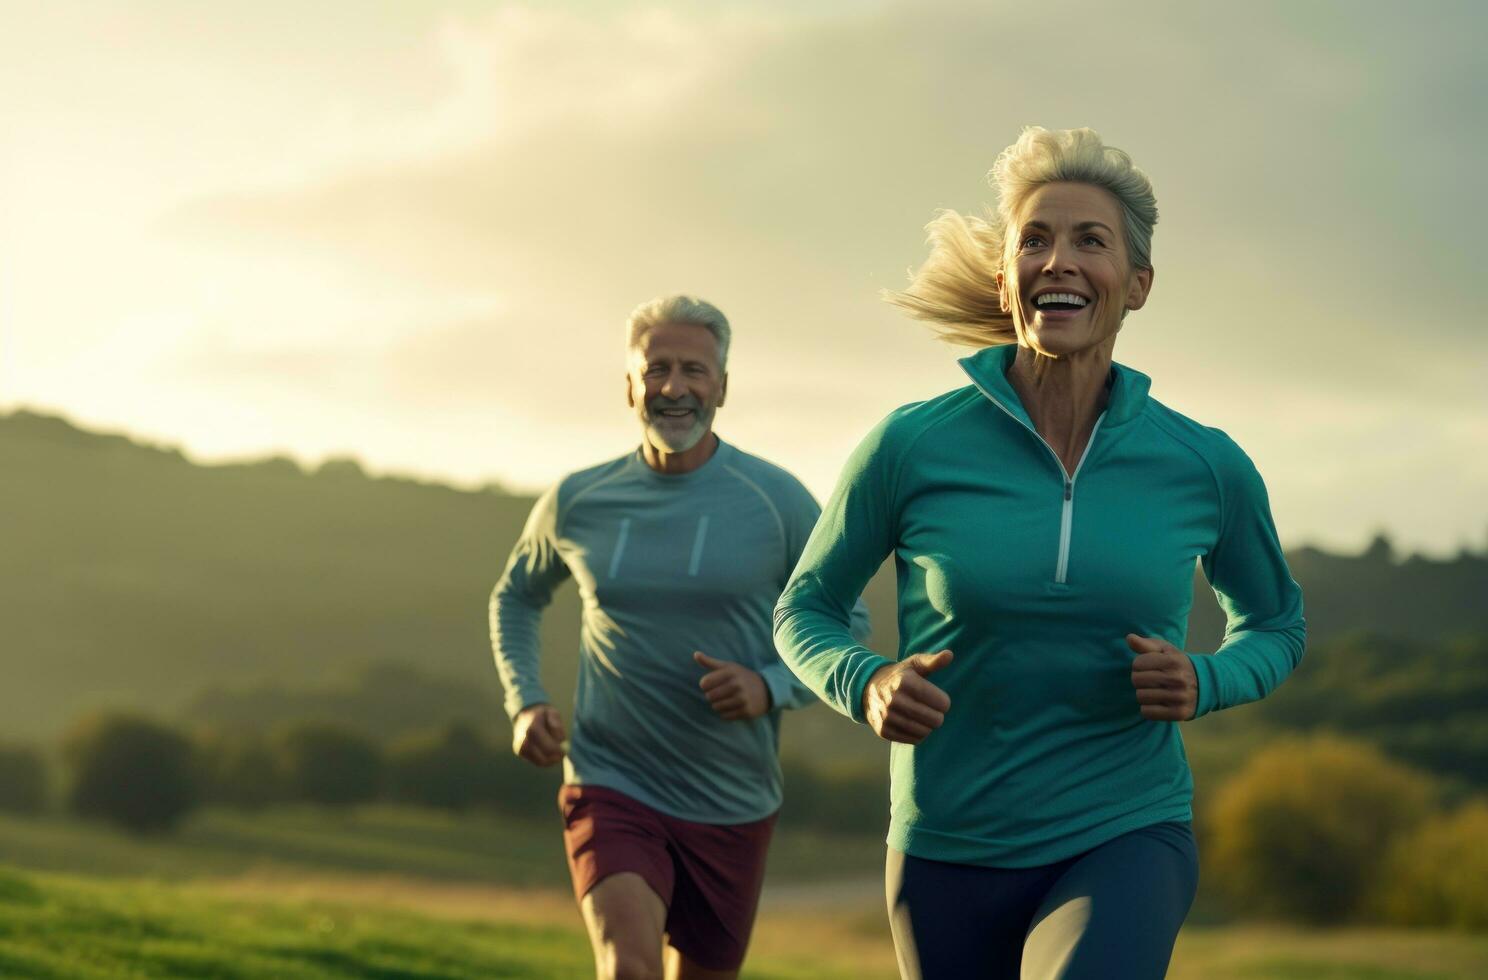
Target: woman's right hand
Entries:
(900, 704)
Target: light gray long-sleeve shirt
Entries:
(665, 565)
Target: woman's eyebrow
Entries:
(1081, 226)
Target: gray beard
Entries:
(675, 443)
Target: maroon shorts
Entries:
(708, 875)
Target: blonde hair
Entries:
(955, 291)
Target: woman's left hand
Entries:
(1167, 687)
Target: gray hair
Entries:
(679, 309)
(955, 291)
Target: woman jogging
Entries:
(1044, 523)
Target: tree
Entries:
(451, 768)
(1380, 549)
(1424, 701)
(1303, 830)
(341, 468)
(131, 771)
(329, 764)
(23, 779)
(238, 770)
(1438, 876)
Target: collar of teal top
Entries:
(988, 369)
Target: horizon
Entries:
(1400, 552)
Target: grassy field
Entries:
(52, 927)
(409, 895)
(63, 927)
(370, 840)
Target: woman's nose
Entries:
(1059, 261)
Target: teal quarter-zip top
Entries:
(1066, 514)
(1033, 577)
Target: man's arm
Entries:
(533, 571)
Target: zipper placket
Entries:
(1067, 513)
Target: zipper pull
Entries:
(1069, 490)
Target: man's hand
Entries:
(538, 735)
(1167, 687)
(900, 704)
(735, 692)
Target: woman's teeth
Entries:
(1060, 299)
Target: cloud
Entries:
(589, 162)
(558, 165)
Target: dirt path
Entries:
(796, 921)
(425, 896)
(496, 902)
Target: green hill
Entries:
(131, 575)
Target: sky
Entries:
(411, 232)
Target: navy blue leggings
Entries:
(1112, 912)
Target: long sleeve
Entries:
(816, 620)
(1265, 633)
(533, 571)
(800, 518)
(787, 690)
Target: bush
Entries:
(1303, 830)
(23, 779)
(239, 770)
(1424, 701)
(329, 765)
(1438, 876)
(451, 768)
(131, 771)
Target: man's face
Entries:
(675, 384)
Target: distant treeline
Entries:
(132, 576)
(1424, 702)
(146, 775)
(1355, 793)
(1310, 829)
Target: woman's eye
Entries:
(1091, 238)
(1031, 241)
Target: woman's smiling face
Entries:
(1068, 279)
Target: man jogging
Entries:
(679, 550)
